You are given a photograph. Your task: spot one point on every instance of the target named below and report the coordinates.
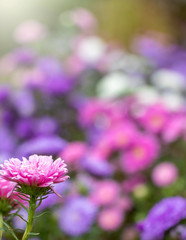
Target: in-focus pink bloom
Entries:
(110, 219)
(141, 155)
(164, 174)
(105, 193)
(40, 171)
(154, 118)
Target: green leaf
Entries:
(21, 205)
(22, 218)
(40, 201)
(10, 230)
(33, 234)
(39, 215)
(13, 215)
(19, 230)
(24, 199)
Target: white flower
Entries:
(169, 79)
(114, 85)
(147, 95)
(91, 49)
(172, 100)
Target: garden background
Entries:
(101, 84)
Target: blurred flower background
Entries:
(101, 84)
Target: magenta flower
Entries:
(175, 128)
(154, 118)
(122, 134)
(40, 171)
(143, 152)
(8, 197)
(33, 178)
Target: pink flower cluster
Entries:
(40, 171)
(132, 129)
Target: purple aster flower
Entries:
(42, 145)
(97, 167)
(4, 93)
(24, 102)
(151, 48)
(163, 216)
(24, 128)
(45, 126)
(77, 216)
(24, 56)
(7, 140)
(54, 78)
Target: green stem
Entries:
(1, 225)
(31, 211)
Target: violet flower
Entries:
(163, 216)
(42, 145)
(77, 216)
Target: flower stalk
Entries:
(1, 225)
(31, 212)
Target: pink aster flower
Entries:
(74, 152)
(164, 174)
(141, 155)
(122, 134)
(34, 177)
(95, 113)
(84, 19)
(40, 171)
(8, 196)
(105, 193)
(175, 128)
(154, 118)
(100, 113)
(103, 147)
(110, 219)
(6, 188)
